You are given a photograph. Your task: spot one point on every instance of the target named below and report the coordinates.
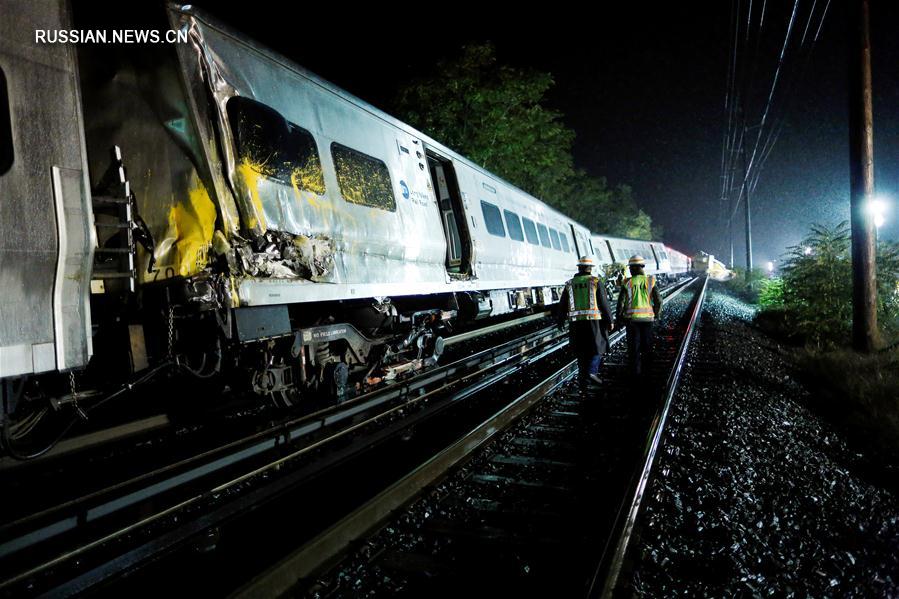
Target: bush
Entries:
(814, 292)
(771, 294)
(747, 286)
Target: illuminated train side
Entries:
(280, 232)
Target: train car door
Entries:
(449, 200)
(611, 251)
(580, 241)
(655, 256)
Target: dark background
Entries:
(642, 86)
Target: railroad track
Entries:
(98, 517)
(99, 535)
(537, 500)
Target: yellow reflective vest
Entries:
(639, 297)
(582, 304)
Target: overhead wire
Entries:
(775, 132)
(768, 105)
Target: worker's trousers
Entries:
(587, 365)
(639, 344)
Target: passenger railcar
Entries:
(707, 263)
(617, 250)
(214, 206)
(681, 263)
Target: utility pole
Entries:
(865, 336)
(730, 233)
(745, 195)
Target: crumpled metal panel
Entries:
(44, 311)
(133, 98)
(366, 245)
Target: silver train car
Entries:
(617, 250)
(680, 263)
(212, 206)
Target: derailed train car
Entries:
(214, 207)
(707, 263)
(680, 263)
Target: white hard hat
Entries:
(636, 260)
(586, 261)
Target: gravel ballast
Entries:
(755, 495)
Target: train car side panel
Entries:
(46, 227)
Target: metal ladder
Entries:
(114, 218)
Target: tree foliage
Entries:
(495, 115)
(816, 287)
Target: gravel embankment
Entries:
(756, 495)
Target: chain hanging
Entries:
(72, 387)
(171, 323)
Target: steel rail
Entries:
(613, 563)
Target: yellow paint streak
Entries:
(302, 180)
(191, 225)
(250, 174)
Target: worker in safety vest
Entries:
(639, 304)
(586, 309)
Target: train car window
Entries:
(514, 225)
(564, 239)
(493, 219)
(6, 149)
(544, 236)
(273, 146)
(362, 179)
(530, 230)
(554, 238)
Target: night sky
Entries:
(643, 87)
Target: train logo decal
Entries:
(405, 189)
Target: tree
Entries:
(816, 288)
(495, 115)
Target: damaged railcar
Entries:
(227, 213)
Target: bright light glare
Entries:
(771, 267)
(807, 251)
(876, 208)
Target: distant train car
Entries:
(680, 263)
(707, 263)
(617, 250)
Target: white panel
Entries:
(43, 357)
(15, 360)
(71, 313)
